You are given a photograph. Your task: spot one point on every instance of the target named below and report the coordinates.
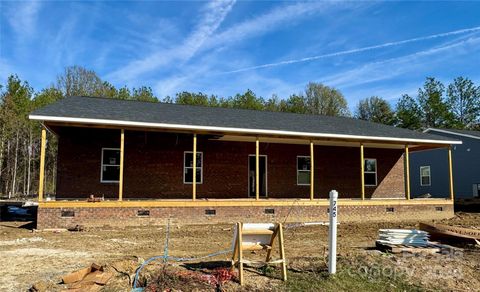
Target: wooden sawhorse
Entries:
(253, 236)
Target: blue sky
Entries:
(362, 48)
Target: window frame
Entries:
(108, 165)
(429, 176)
(299, 170)
(476, 186)
(191, 167)
(365, 171)
(266, 175)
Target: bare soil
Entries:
(41, 258)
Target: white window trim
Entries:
(101, 167)
(429, 176)
(365, 171)
(266, 175)
(476, 190)
(185, 167)
(298, 170)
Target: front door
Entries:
(252, 176)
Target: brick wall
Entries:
(121, 217)
(154, 167)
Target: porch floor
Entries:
(240, 202)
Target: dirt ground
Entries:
(29, 257)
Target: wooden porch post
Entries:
(407, 173)
(312, 188)
(450, 172)
(362, 170)
(257, 169)
(42, 165)
(194, 179)
(120, 178)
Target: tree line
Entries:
(456, 105)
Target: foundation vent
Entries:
(390, 210)
(143, 213)
(210, 212)
(270, 211)
(67, 214)
(439, 209)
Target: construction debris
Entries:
(408, 237)
(88, 279)
(451, 233)
(400, 248)
(92, 199)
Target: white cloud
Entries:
(210, 19)
(262, 24)
(23, 17)
(387, 69)
(358, 50)
(280, 16)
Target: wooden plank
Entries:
(241, 203)
(269, 252)
(42, 166)
(194, 174)
(450, 173)
(401, 248)
(256, 247)
(312, 176)
(122, 152)
(240, 251)
(362, 171)
(282, 251)
(407, 173)
(257, 232)
(257, 169)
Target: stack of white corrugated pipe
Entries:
(410, 237)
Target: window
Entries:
(188, 167)
(110, 165)
(424, 175)
(303, 170)
(370, 172)
(476, 190)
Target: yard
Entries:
(41, 258)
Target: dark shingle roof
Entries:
(455, 131)
(199, 116)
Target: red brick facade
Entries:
(154, 167)
(122, 216)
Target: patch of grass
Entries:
(345, 281)
(356, 277)
(267, 270)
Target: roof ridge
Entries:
(220, 107)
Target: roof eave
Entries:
(451, 133)
(120, 123)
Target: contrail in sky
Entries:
(358, 50)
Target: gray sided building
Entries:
(429, 168)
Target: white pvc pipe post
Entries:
(332, 233)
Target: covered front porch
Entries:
(145, 167)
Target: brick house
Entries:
(142, 158)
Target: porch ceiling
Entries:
(56, 127)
